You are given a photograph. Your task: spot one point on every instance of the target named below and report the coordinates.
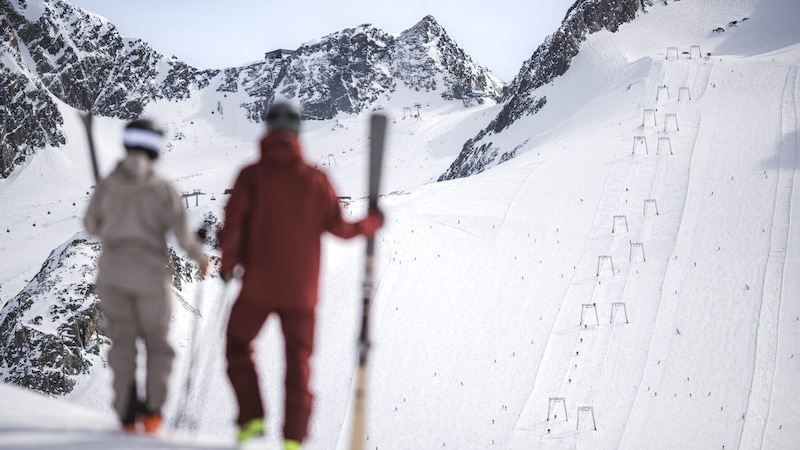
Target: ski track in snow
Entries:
(754, 431)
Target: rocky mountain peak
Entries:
(426, 57)
(427, 26)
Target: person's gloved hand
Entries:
(203, 266)
(226, 275)
(370, 224)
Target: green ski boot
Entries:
(250, 430)
(290, 444)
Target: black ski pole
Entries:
(87, 122)
(377, 137)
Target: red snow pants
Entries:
(297, 323)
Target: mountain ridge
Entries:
(549, 61)
(81, 59)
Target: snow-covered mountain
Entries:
(54, 51)
(358, 68)
(626, 280)
(51, 329)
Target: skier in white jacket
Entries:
(132, 210)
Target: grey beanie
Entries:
(283, 116)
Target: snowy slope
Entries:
(493, 297)
(37, 421)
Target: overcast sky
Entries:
(207, 34)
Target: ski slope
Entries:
(496, 293)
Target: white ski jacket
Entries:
(131, 211)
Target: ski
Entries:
(377, 137)
(87, 122)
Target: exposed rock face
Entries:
(54, 50)
(29, 119)
(345, 72)
(351, 70)
(550, 60)
(53, 329)
(448, 64)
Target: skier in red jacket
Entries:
(274, 219)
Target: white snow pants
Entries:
(143, 313)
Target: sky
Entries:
(211, 34)
(481, 281)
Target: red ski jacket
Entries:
(274, 219)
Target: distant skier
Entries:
(132, 210)
(278, 210)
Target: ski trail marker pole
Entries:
(377, 137)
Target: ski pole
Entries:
(184, 406)
(87, 123)
(192, 349)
